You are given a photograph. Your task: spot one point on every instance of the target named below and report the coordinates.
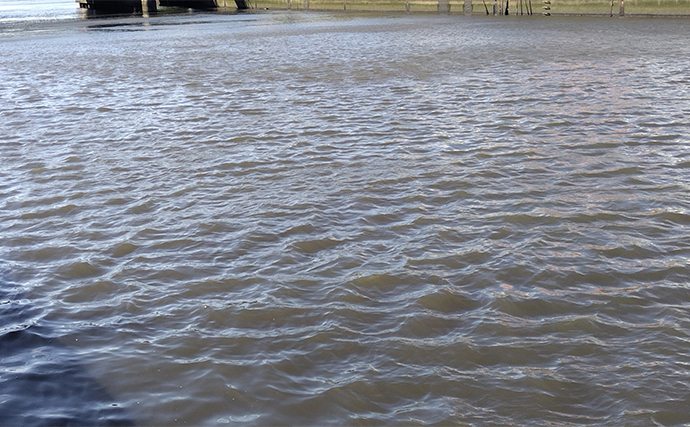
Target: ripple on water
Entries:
(346, 220)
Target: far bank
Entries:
(679, 8)
(491, 7)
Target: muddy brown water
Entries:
(290, 218)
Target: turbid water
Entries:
(310, 218)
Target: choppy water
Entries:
(305, 218)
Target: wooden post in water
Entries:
(306, 4)
(468, 7)
(443, 6)
(407, 6)
(149, 6)
(622, 8)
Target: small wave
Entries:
(629, 252)
(314, 246)
(79, 270)
(62, 211)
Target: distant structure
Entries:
(127, 6)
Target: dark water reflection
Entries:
(292, 218)
(43, 381)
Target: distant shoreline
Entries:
(632, 8)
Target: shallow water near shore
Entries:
(292, 218)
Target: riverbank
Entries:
(557, 7)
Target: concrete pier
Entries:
(147, 6)
(121, 6)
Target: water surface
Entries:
(306, 218)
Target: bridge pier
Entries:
(147, 6)
(120, 6)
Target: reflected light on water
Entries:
(314, 218)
